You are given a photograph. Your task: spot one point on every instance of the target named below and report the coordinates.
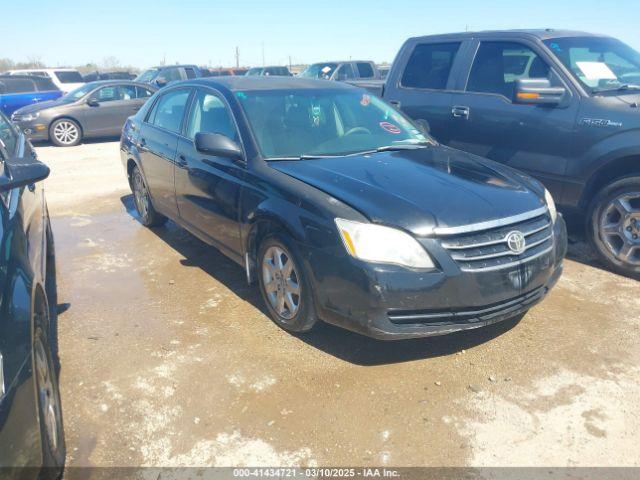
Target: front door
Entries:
(537, 139)
(208, 187)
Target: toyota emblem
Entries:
(516, 242)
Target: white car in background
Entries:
(66, 79)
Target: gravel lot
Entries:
(169, 359)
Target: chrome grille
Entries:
(488, 249)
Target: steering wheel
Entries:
(361, 130)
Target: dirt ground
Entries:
(168, 359)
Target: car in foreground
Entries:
(17, 91)
(97, 109)
(274, 71)
(559, 105)
(31, 432)
(163, 75)
(340, 208)
(342, 70)
(66, 79)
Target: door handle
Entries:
(182, 161)
(395, 103)
(142, 144)
(460, 112)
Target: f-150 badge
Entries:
(599, 122)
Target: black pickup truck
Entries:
(562, 106)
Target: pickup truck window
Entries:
(191, 73)
(168, 111)
(345, 72)
(429, 65)
(295, 123)
(498, 65)
(209, 114)
(319, 70)
(599, 63)
(365, 70)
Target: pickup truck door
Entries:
(208, 187)
(421, 85)
(537, 139)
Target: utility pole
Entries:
(289, 62)
(263, 62)
(237, 57)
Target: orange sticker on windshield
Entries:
(365, 100)
(390, 127)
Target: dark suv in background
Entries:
(163, 75)
(562, 106)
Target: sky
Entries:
(142, 33)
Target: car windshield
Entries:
(600, 64)
(316, 122)
(147, 75)
(77, 93)
(69, 76)
(320, 70)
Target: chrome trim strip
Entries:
(492, 242)
(506, 253)
(500, 222)
(511, 264)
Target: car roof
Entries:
(106, 83)
(542, 34)
(44, 69)
(269, 83)
(23, 76)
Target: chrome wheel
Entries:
(281, 282)
(66, 132)
(619, 226)
(47, 395)
(140, 194)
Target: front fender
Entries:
(622, 145)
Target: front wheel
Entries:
(65, 132)
(285, 286)
(614, 225)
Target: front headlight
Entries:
(551, 205)
(25, 117)
(379, 244)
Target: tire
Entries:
(613, 225)
(65, 132)
(149, 217)
(280, 280)
(49, 405)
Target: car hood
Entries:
(418, 190)
(38, 107)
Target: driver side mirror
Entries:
(537, 91)
(17, 174)
(93, 102)
(161, 81)
(218, 146)
(422, 125)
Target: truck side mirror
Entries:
(218, 146)
(422, 125)
(537, 91)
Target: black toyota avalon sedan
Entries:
(342, 209)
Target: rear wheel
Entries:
(285, 286)
(149, 217)
(614, 225)
(65, 132)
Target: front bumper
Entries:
(34, 130)
(389, 302)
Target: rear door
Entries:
(208, 187)
(423, 89)
(157, 144)
(535, 138)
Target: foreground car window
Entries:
(209, 114)
(598, 63)
(169, 110)
(324, 122)
(8, 135)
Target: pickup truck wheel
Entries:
(614, 225)
(149, 217)
(65, 133)
(284, 285)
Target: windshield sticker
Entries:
(596, 71)
(390, 127)
(365, 100)
(326, 69)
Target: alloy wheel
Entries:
(66, 132)
(620, 227)
(47, 395)
(281, 282)
(140, 194)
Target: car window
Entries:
(168, 111)
(170, 74)
(107, 94)
(8, 135)
(191, 73)
(17, 85)
(365, 70)
(44, 84)
(345, 72)
(209, 114)
(498, 65)
(127, 92)
(429, 65)
(143, 92)
(68, 76)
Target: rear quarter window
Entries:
(429, 65)
(365, 70)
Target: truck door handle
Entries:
(142, 144)
(182, 161)
(395, 103)
(460, 112)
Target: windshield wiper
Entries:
(626, 86)
(395, 148)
